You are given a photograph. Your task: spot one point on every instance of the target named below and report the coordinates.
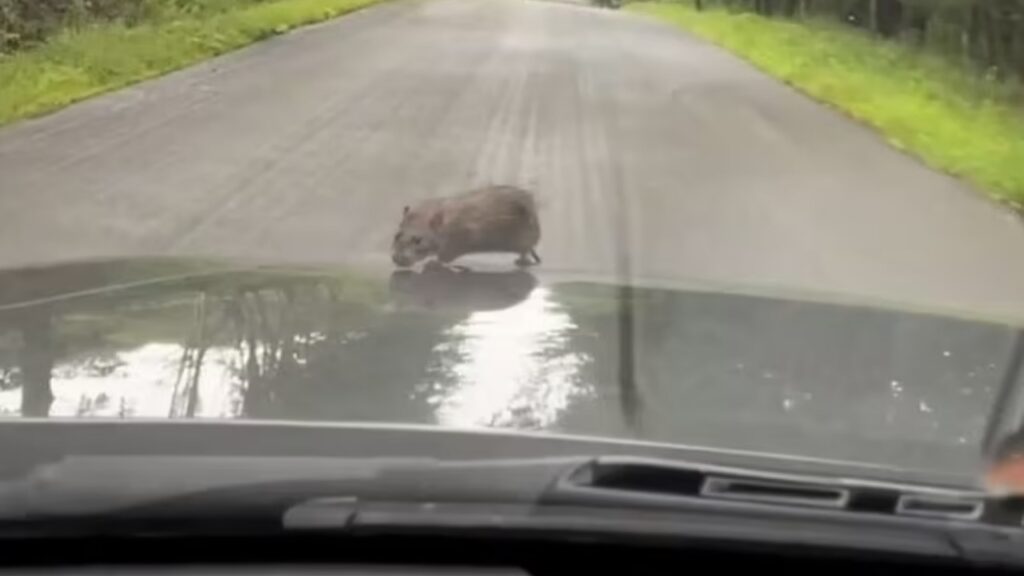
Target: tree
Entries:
(987, 33)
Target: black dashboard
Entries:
(413, 555)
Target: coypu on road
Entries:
(490, 219)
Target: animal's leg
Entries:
(434, 265)
(446, 255)
(524, 260)
(536, 257)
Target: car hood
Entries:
(515, 350)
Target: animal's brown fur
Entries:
(490, 219)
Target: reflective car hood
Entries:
(503, 349)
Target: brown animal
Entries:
(490, 219)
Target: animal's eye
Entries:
(417, 240)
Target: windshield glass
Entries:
(784, 228)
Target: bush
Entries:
(24, 23)
(989, 33)
(73, 64)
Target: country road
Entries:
(654, 154)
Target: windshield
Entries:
(780, 229)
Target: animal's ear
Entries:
(405, 210)
(437, 220)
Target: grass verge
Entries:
(953, 118)
(77, 64)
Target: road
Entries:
(654, 155)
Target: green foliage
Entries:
(953, 118)
(26, 23)
(83, 61)
(989, 33)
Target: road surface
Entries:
(654, 154)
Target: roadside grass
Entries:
(952, 117)
(79, 63)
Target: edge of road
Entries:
(988, 171)
(79, 65)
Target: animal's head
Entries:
(417, 236)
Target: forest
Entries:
(989, 33)
(24, 23)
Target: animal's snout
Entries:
(400, 260)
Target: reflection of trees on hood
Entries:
(265, 336)
(280, 346)
(35, 358)
(28, 344)
(259, 324)
(185, 399)
(27, 352)
(305, 350)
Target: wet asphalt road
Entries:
(654, 155)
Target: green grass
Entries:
(953, 118)
(77, 64)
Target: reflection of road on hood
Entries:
(508, 368)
